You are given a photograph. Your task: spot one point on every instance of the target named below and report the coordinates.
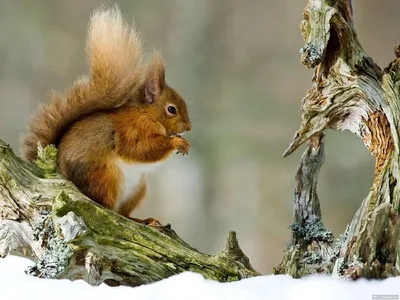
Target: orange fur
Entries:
(139, 127)
(114, 52)
(105, 188)
(120, 112)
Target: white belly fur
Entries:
(131, 174)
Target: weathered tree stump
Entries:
(349, 92)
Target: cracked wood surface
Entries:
(45, 217)
(349, 92)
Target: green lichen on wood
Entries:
(310, 230)
(47, 160)
(83, 240)
(349, 92)
(235, 256)
(126, 241)
(55, 259)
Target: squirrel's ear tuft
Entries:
(155, 78)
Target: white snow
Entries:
(15, 284)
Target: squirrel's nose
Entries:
(188, 127)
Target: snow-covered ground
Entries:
(14, 284)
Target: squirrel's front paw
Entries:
(181, 144)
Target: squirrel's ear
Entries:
(151, 90)
(155, 78)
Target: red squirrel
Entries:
(115, 125)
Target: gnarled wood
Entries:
(311, 249)
(45, 217)
(350, 92)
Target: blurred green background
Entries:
(237, 64)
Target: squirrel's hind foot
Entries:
(148, 222)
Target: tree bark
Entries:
(45, 217)
(349, 92)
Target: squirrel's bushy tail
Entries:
(114, 51)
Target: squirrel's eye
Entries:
(171, 109)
